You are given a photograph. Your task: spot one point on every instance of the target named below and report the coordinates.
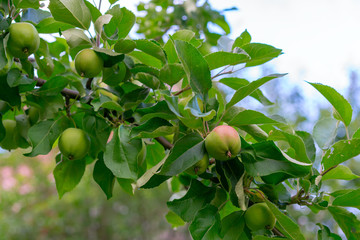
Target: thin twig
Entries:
(277, 232)
(88, 83)
(166, 144)
(65, 92)
(328, 170)
(182, 90)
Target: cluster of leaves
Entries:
(170, 15)
(149, 92)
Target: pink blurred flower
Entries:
(24, 170)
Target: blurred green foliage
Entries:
(30, 207)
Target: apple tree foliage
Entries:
(157, 98)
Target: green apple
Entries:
(259, 216)
(23, 39)
(11, 135)
(88, 63)
(199, 167)
(74, 143)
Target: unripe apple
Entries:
(199, 167)
(88, 64)
(74, 143)
(11, 135)
(223, 143)
(34, 115)
(259, 216)
(23, 39)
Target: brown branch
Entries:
(277, 232)
(166, 144)
(88, 83)
(182, 90)
(328, 170)
(65, 92)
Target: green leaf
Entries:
(350, 199)
(122, 154)
(43, 135)
(34, 15)
(195, 110)
(126, 185)
(309, 144)
(250, 88)
(98, 130)
(324, 233)
(142, 68)
(259, 237)
(324, 132)
(153, 128)
(195, 66)
(68, 174)
(233, 170)
(243, 39)
(236, 83)
(3, 59)
(174, 219)
(110, 57)
(15, 78)
(148, 80)
(124, 46)
(340, 152)
(340, 172)
(104, 177)
(356, 134)
(171, 73)
(146, 59)
(347, 222)
(255, 131)
(154, 153)
(295, 142)
(73, 12)
(289, 228)
(151, 48)
(265, 159)
(186, 152)
(233, 227)
(26, 3)
(151, 178)
(54, 86)
(106, 102)
(260, 53)
(44, 58)
(116, 74)
(220, 59)
(9, 94)
(95, 13)
(49, 25)
(195, 199)
(206, 224)
(101, 21)
(76, 38)
(246, 117)
(341, 105)
(126, 23)
(160, 110)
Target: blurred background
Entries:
(320, 41)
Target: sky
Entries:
(320, 39)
